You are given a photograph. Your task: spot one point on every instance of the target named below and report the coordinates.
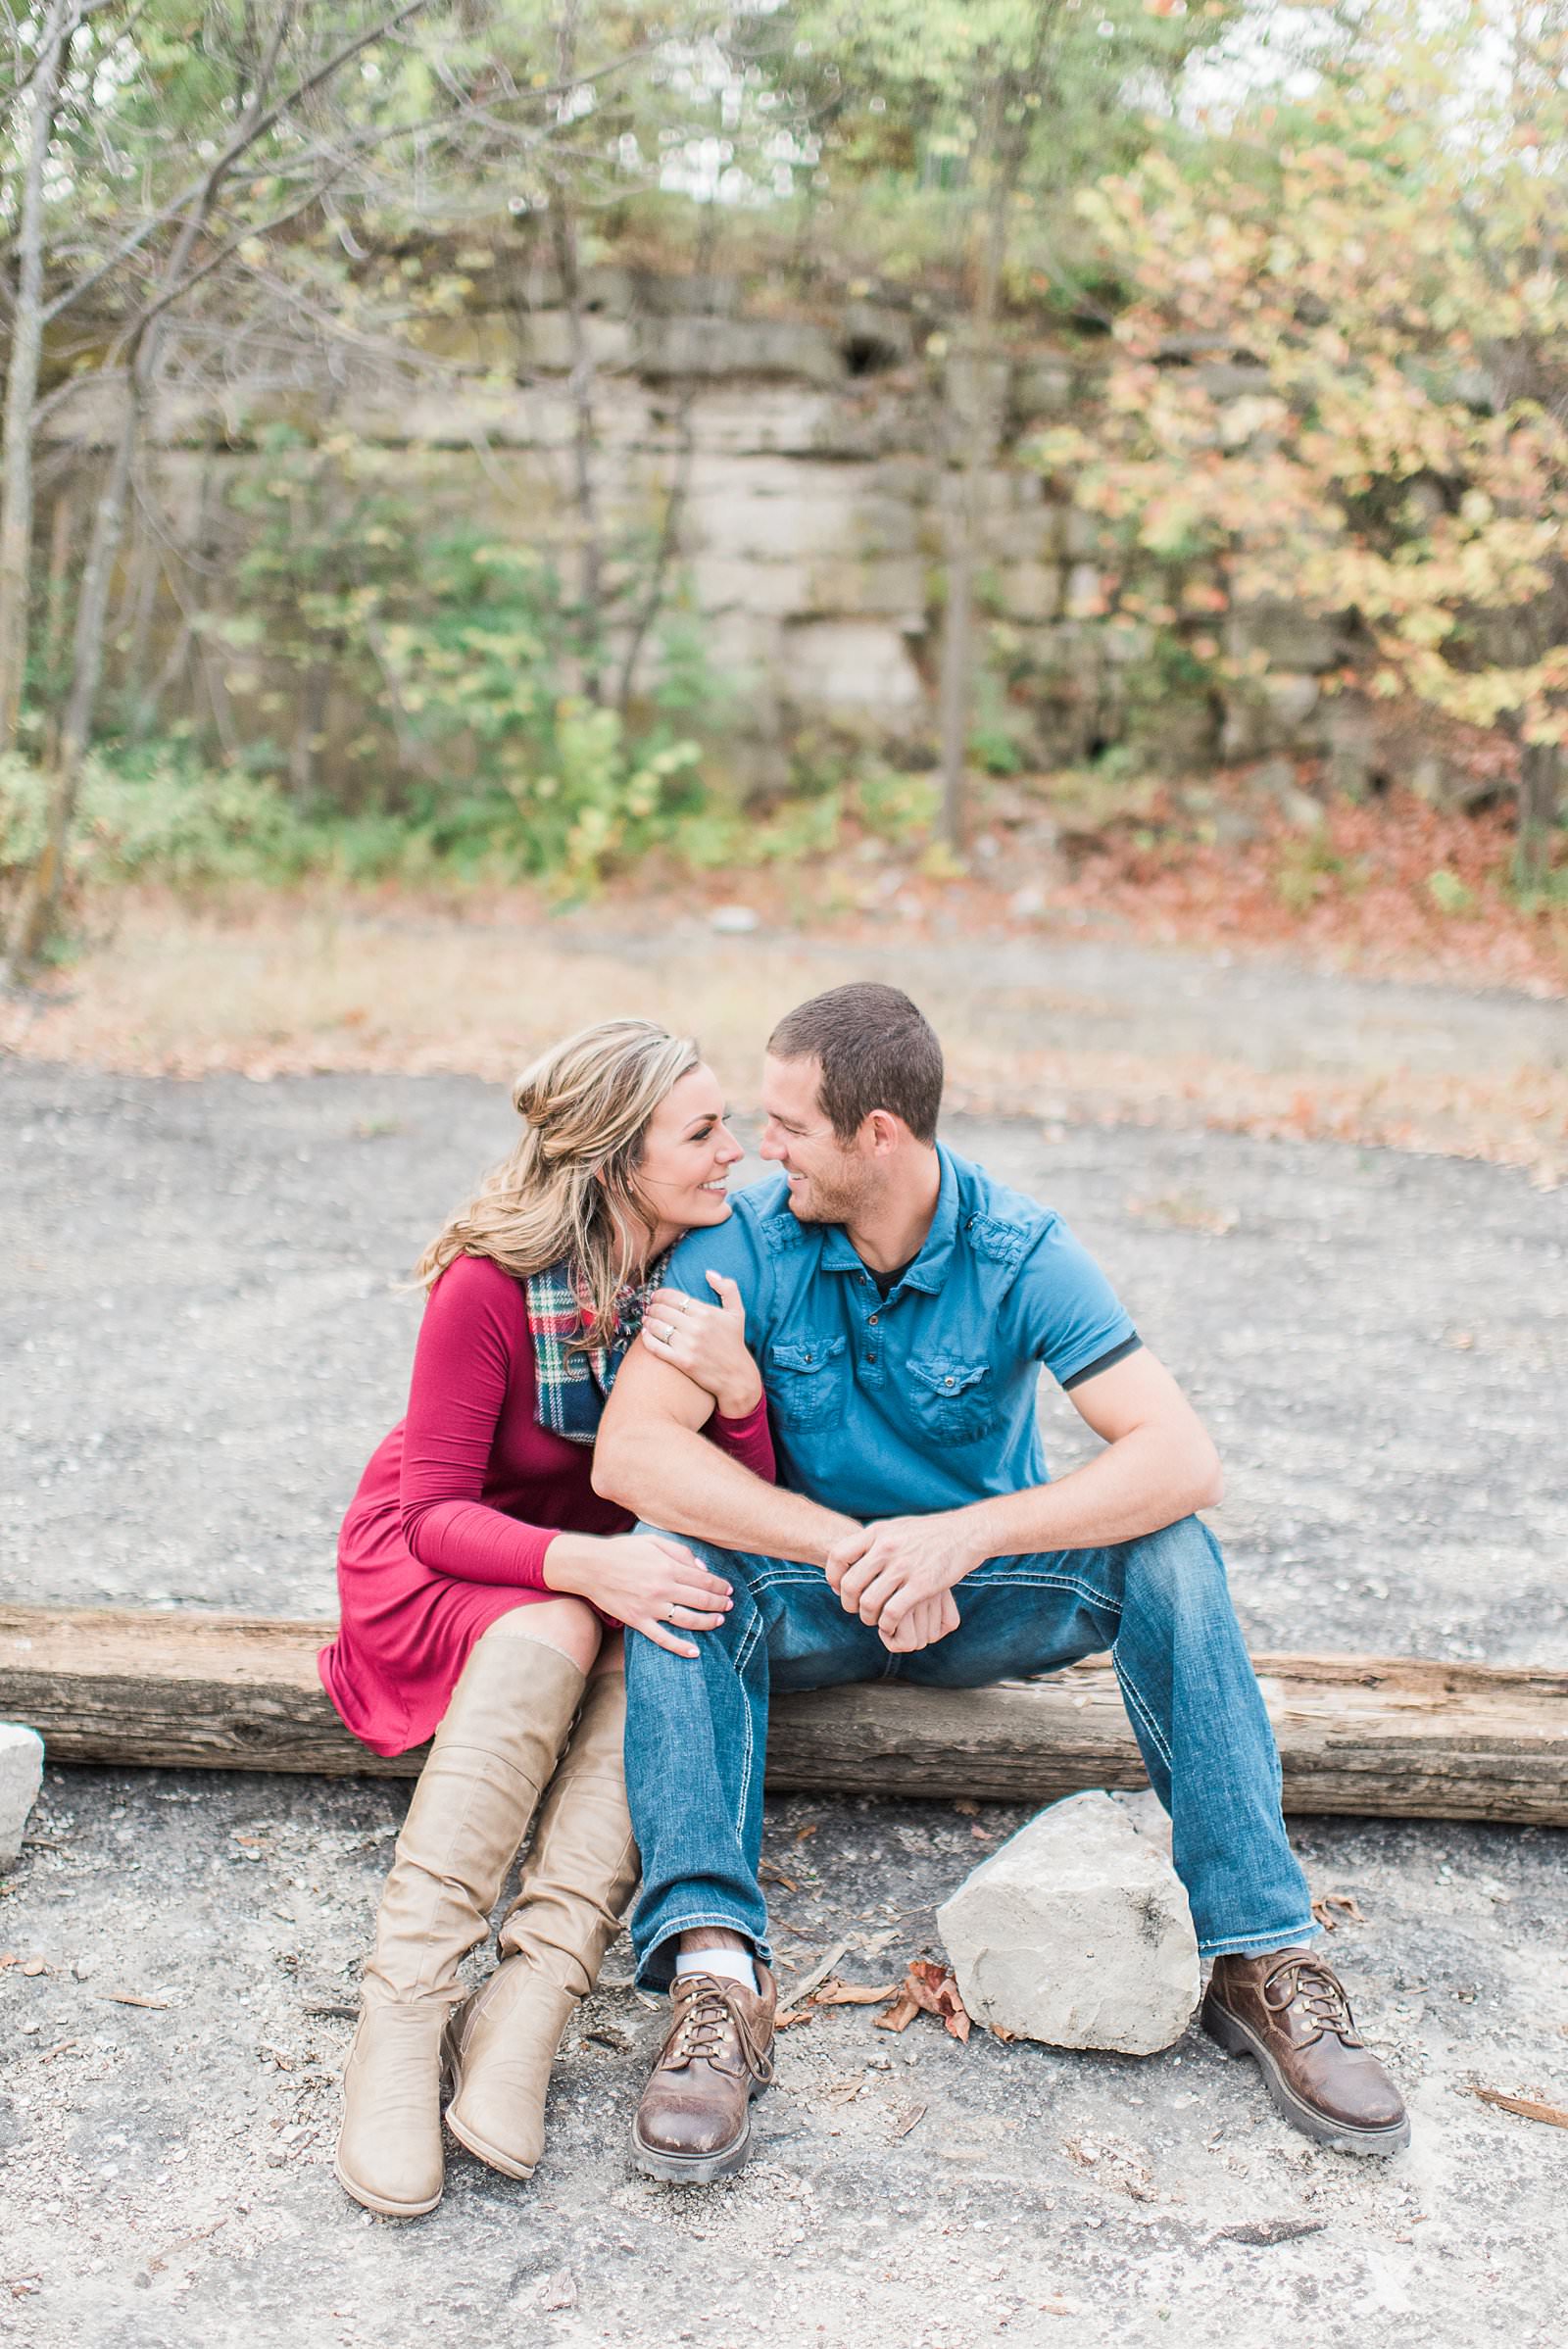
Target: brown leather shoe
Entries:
(1288, 2010)
(695, 2119)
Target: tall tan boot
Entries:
(576, 1882)
(493, 1754)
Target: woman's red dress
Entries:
(454, 1515)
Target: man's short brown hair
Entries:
(876, 1052)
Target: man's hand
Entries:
(886, 1572)
(928, 1621)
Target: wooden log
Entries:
(1385, 1736)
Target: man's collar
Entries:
(930, 1267)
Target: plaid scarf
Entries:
(574, 1381)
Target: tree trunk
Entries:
(979, 431)
(657, 577)
(62, 531)
(1539, 806)
(21, 371)
(1386, 1738)
(581, 387)
(41, 898)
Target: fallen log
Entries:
(1385, 1736)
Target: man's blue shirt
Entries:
(925, 1399)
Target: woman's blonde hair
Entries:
(568, 1186)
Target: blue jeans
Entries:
(696, 1728)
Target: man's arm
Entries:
(1158, 1465)
(651, 1457)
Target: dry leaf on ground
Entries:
(908, 2120)
(1334, 1909)
(770, 1875)
(834, 1993)
(1263, 2231)
(1529, 2108)
(927, 1989)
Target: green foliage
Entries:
(160, 816)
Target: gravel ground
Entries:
(199, 1297)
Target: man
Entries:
(900, 1304)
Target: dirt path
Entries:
(1080, 1023)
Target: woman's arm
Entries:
(470, 1344)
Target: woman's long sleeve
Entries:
(748, 1441)
(469, 1351)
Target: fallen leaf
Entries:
(159, 2006)
(928, 1988)
(1346, 1905)
(901, 2014)
(560, 2291)
(1263, 2231)
(999, 2030)
(908, 2120)
(1529, 2108)
(34, 1968)
(799, 1992)
(809, 1829)
(770, 1875)
(788, 2016)
(970, 1810)
(834, 1993)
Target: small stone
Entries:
(1076, 1932)
(560, 2291)
(21, 1777)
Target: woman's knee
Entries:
(567, 1625)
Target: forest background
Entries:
(1211, 353)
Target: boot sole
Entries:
(695, 2168)
(1236, 2039)
(490, 2153)
(378, 2203)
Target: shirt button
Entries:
(871, 1356)
(945, 1382)
(875, 1318)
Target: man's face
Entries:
(827, 1181)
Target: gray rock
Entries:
(21, 1777)
(1077, 1932)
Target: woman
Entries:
(484, 1582)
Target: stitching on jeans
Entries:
(1280, 1938)
(741, 1658)
(1013, 1582)
(686, 1925)
(1140, 1702)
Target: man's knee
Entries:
(1179, 1566)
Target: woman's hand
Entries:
(646, 1580)
(708, 1343)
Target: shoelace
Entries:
(707, 2015)
(1320, 1993)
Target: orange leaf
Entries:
(834, 1993)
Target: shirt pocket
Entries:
(806, 1380)
(952, 1402)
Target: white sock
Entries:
(733, 1965)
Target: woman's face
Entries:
(687, 1155)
